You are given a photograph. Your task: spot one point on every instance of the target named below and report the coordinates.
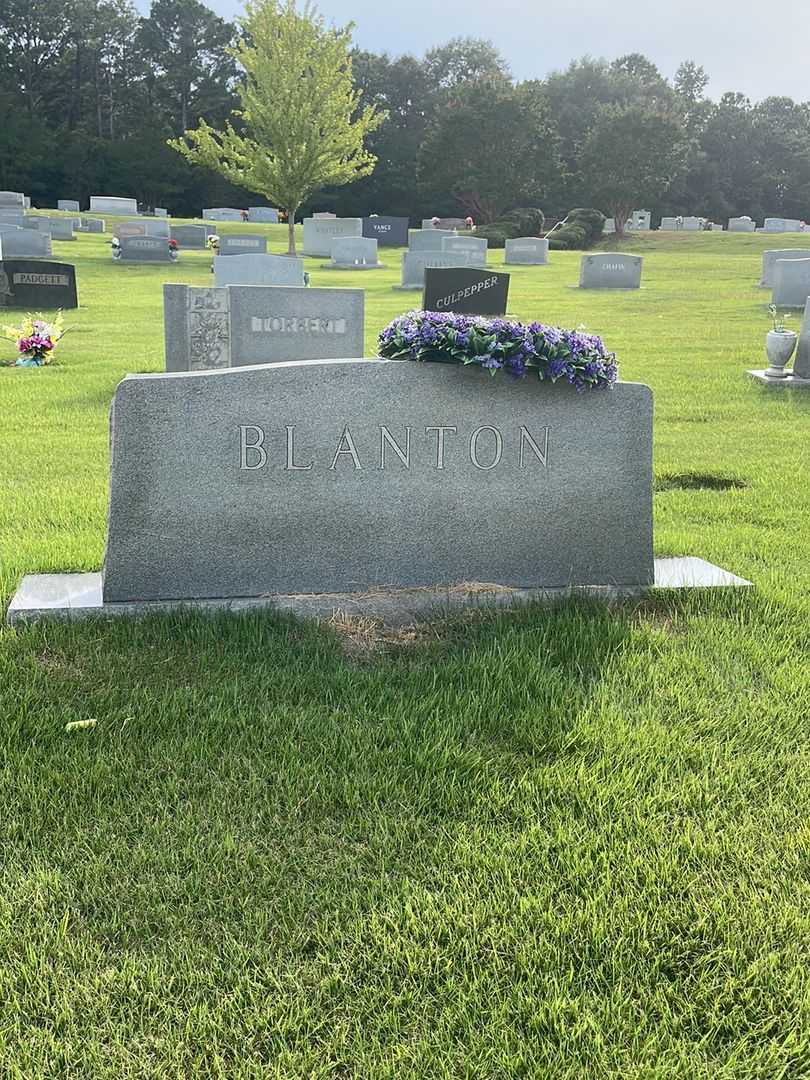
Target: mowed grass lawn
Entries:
(558, 842)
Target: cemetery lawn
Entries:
(563, 842)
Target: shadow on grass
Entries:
(698, 481)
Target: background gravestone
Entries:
(414, 264)
(387, 231)
(37, 286)
(11, 216)
(242, 245)
(108, 204)
(781, 225)
(91, 225)
(280, 479)
(476, 246)
(144, 249)
(791, 282)
(59, 228)
(254, 324)
(353, 253)
(427, 239)
(801, 363)
(769, 259)
(191, 236)
(448, 223)
(70, 205)
(466, 290)
(526, 251)
(610, 270)
(266, 214)
(24, 244)
(256, 269)
(161, 211)
(741, 224)
(222, 213)
(142, 227)
(320, 232)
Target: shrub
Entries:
(525, 221)
(583, 227)
(496, 234)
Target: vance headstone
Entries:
(476, 246)
(240, 244)
(321, 231)
(191, 236)
(37, 286)
(353, 253)
(253, 324)
(526, 251)
(414, 264)
(387, 231)
(427, 239)
(257, 269)
(108, 204)
(396, 474)
(467, 290)
(769, 259)
(610, 270)
(144, 249)
(791, 282)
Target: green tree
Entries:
(461, 60)
(492, 148)
(632, 155)
(301, 127)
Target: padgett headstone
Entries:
(37, 286)
(610, 270)
(801, 362)
(242, 245)
(91, 225)
(257, 269)
(427, 239)
(254, 324)
(222, 213)
(25, 244)
(472, 245)
(191, 236)
(467, 290)
(109, 204)
(414, 264)
(396, 474)
(263, 214)
(320, 232)
(526, 251)
(387, 231)
(769, 259)
(353, 253)
(741, 224)
(144, 249)
(70, 205)
(791, 282)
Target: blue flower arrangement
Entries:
(501, 345)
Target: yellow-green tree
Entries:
(299, 124)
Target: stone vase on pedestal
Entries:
(779, 346)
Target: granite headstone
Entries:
(191, 236)
(610, 270)
(387, 231)
(741, 224)
(222, 213)
(258, 269)
(320, 232)
(801, 361)
(427, 239)
(351, 475)
(253, 324)
(241, 244)
(414, 264)
(108, 204)
(263, 214)
(791, 282)
(144, 249)
(70, 205)
(476, 246)
(37, 286)
(24, 244)
(769, 259)
(467, 290)
(526, 251)
(353, 253)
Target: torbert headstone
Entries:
(255, 324)
(393, 473)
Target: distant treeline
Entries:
(90, 91)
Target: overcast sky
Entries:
(760, 50)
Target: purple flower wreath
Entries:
(500, 345)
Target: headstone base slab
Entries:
(70, 597)
(792, 382)
(364, 266)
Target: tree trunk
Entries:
(620, 217)
(291, 232)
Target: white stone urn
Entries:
(779, 345)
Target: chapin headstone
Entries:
(610, 270)
(394, 474)
(37, 286)
(466, 290)
(253, 324)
